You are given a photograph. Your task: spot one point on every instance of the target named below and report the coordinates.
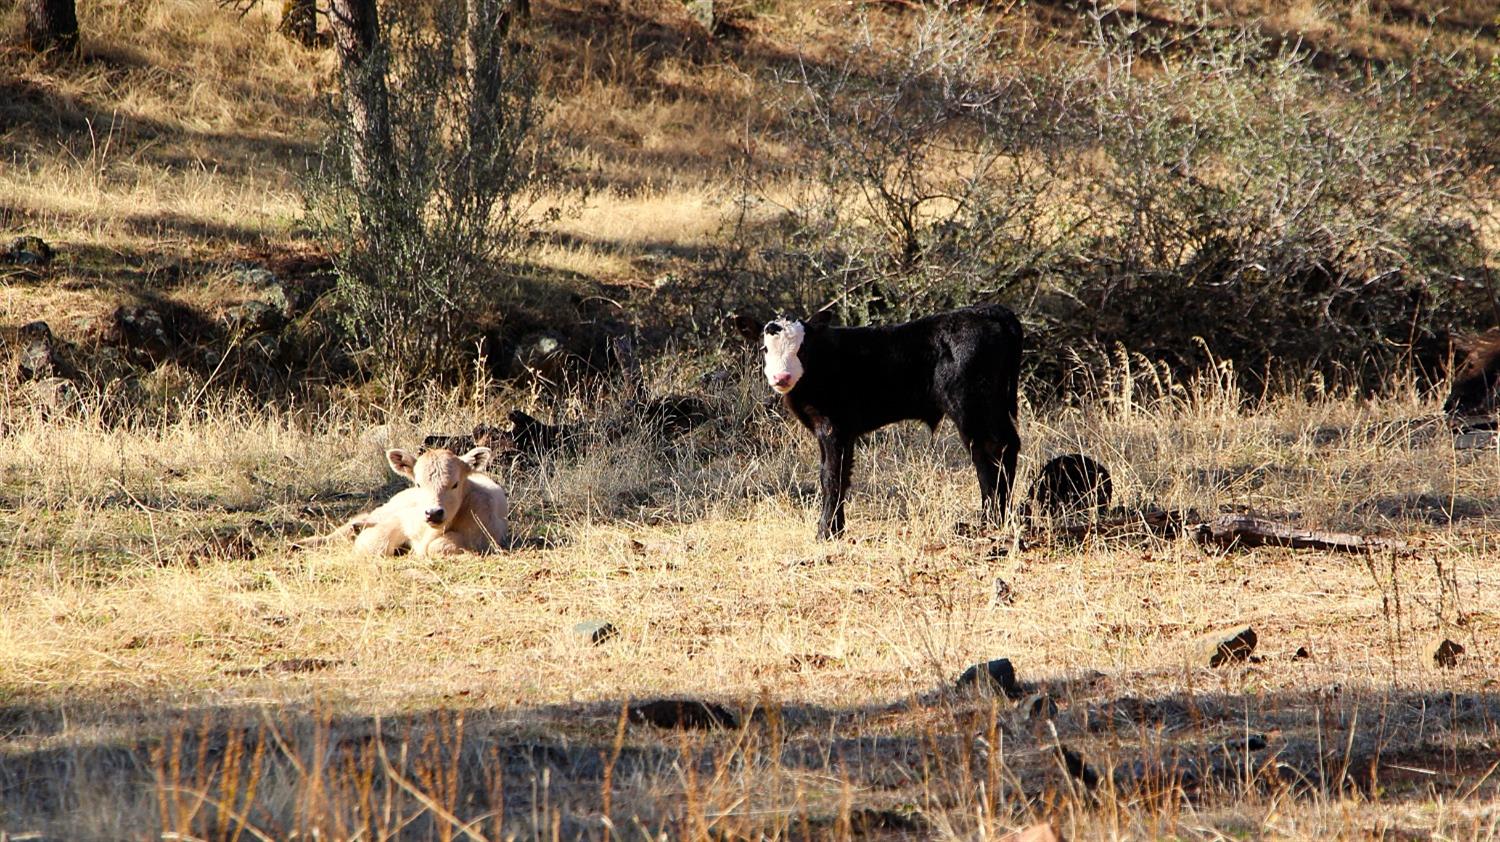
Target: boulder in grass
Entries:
(998, 674)
(38, 359)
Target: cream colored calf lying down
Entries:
(454, 507)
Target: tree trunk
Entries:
(51, 25)
(488, 22)
(356, 33)
(299, 21)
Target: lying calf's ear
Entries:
(402, 462)
(745, 326)
(478, 458)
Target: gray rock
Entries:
(1226, 646)
(38, 357)
(253, 316)
(253, 276)
(998, 674)
(1004, 593)
(52, 395)
(1442, 652)
(702, 11)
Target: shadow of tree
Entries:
(793, 770)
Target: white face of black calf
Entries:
(782, 339)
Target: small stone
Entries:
(28, 251)
(595, 631)
(1442, 652)
(1004, 593)
(38, 357)
(252, 316)
(1226, 646)
(52, 395)
(702, 11)
(1302, 654)
(1240, 745)
(682, 713)
(998, 674)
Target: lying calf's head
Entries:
(441, 476)
(782, 340)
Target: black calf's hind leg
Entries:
(995, 466)
(1010, 449)
(836, 464)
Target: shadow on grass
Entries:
(79, 767)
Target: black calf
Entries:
(844, 382)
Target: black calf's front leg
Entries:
(835, 465)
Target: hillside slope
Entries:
(163, 164)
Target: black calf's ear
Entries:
(744, 326)
(819, 319)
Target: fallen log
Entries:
(1237, 530)
(1242, 530)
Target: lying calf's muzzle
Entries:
(434, 516)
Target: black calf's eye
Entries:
(772, 329)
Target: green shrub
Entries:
(420, 231)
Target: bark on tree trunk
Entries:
(51, 25)
(356, 33)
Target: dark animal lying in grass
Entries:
(1474, 381)
(1071, 484)
(844, 382)
(665, 419)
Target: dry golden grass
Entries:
(170, 668)
(135, 609)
